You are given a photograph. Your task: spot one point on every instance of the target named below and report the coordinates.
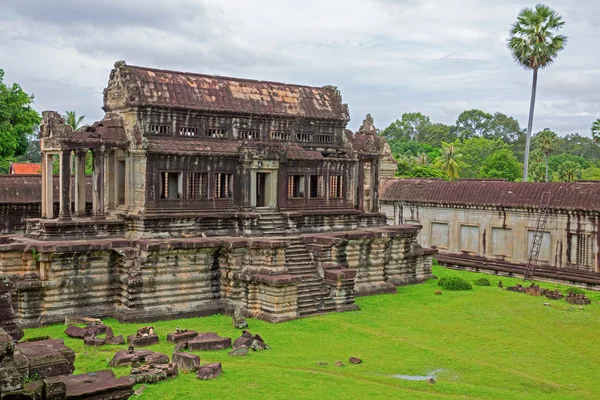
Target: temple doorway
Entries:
(261, 183)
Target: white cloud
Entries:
(387, 56)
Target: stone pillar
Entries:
(80, 183)
(375, 185)
(65, 185)
(361, 186)
(48, 184)
(43, 210)
(98, 184)
(246, 174)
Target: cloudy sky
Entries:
(388, 57)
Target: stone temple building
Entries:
(489, 224)
(209, 193)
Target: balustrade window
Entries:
(324, 139)
(295, 186)
(189, 131)
(170, 184)
(249, 135)
(223, 186)
(216, 133)
(198, 185)
(303, 137)
(281, 135)
(157, 129)
(336, 186)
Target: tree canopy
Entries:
(484, 148)
(18, 122)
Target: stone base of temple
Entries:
(273, 278)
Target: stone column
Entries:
(246, 175)
(49, 186)
(43, 210)
(98, 183)
(80, 183)
(375, 185)
(361, 185)
(65, 185)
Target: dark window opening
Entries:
(170, 183)
(316, 186)
(295, 186)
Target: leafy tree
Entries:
(473, 123)
(546, 142)
(501, 164)
(474, 152)
(17, 121)
(435, 134)
(569, 171)
(579, 145)
(72, 119)
(426, 171)
(591, 174)
(555, 161)
(596, 131)
(408, 128)
(449, 161)
(534, 44)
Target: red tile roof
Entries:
(563, 195)
(173, 89)
(25, 168)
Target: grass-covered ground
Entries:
(486, 343)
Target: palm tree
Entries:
(569, 171)
(534, 44)
(546, 141)
(448, 162)
(596, 131)
(422, 159)
(72, 120)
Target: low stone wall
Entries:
(146, 280)
(383, 257)
(156, 279)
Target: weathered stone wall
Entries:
(503, 234)
(382, 258)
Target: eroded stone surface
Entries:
(209, 371)
(240, 351)
(157, 358)
(45, 358)
(125, 357)
(182, 336)
(187, 362)
(101, 385)
(209, 341)
(142, 341)
(7, 316)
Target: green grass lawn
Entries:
(487, 343)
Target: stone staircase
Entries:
(313, 293)
(272, 223)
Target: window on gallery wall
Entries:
(316, 186)
(336, 186)
(295, 186)
(223, 186)
(198, 185)
(170, 184)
